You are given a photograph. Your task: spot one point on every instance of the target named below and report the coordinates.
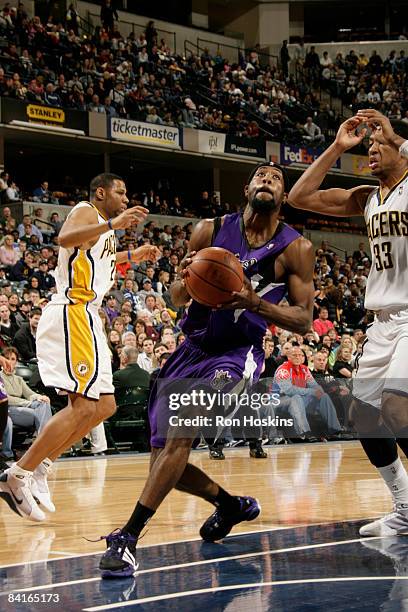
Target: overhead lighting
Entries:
(46, 128)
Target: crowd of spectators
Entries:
(140, 77)
(143, 326)
(360, 81)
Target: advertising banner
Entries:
(144, 133)
(16, 110)
(211, 142)
(251, 147)
(293, 154)
(360, 165)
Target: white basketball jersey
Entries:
(387, 227)
(86, 276)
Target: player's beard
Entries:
(264, 206)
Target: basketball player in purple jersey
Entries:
(276, 261)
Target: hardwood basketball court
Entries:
(313, 499)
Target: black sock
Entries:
(140, 517)
(226, 502)
(402, 440)
(380, 451)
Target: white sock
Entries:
(396, 479)
(44, 467)
(16, 470)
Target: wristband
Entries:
(403, 150)
(110, 224)
(129, 255)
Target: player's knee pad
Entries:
(380, 451)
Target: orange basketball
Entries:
(212, 275)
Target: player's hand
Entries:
(129, 217)
(145, 253)
(377, 121)
(182, 271)
(246, 299)
(347, 136)
(6, 365)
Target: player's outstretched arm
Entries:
(200, 239)
(142, 253)
(299, 263)
(306, 193)
(81, 228)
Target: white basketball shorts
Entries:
(72, 350)
(383, 364)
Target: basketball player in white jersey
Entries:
(380, 389)
(72, 349)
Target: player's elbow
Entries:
(303, 325)
(64, 240)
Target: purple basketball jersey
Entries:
(217, 331)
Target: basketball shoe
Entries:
(220, 523)
(15, 489)
(39, 486)
(395, 523)
(119, 560)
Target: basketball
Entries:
(213, 274)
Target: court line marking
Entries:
(198, 539)
(165, 568)
(255, 585)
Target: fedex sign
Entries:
(291, 154)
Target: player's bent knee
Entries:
(363, 417)
(395, 411)
(83, 408)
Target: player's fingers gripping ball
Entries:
(212, 276)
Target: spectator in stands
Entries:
(9, 256)
(146, 359)
(360, 254)
(8, 326)
(293, 378)
(42, 193)
(26, 408)
(342, 366)
(321, 325)
(46, 282)
(12, 192)
(339, 394)
(130, 373)
(25, 337)
(108, 15)
(8, 222)
(55, 222)
(111, 308)
(285, 58)
(24, 268)
(26, 229)
(313, 133)
(129, 339)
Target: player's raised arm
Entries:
(82, 227)
(200, 239)
(306, 193)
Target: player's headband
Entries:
(274, 165)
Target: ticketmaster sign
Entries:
(144, 133)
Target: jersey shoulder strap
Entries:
(217, 227)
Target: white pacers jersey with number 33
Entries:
(86, 276)
(387, 227)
